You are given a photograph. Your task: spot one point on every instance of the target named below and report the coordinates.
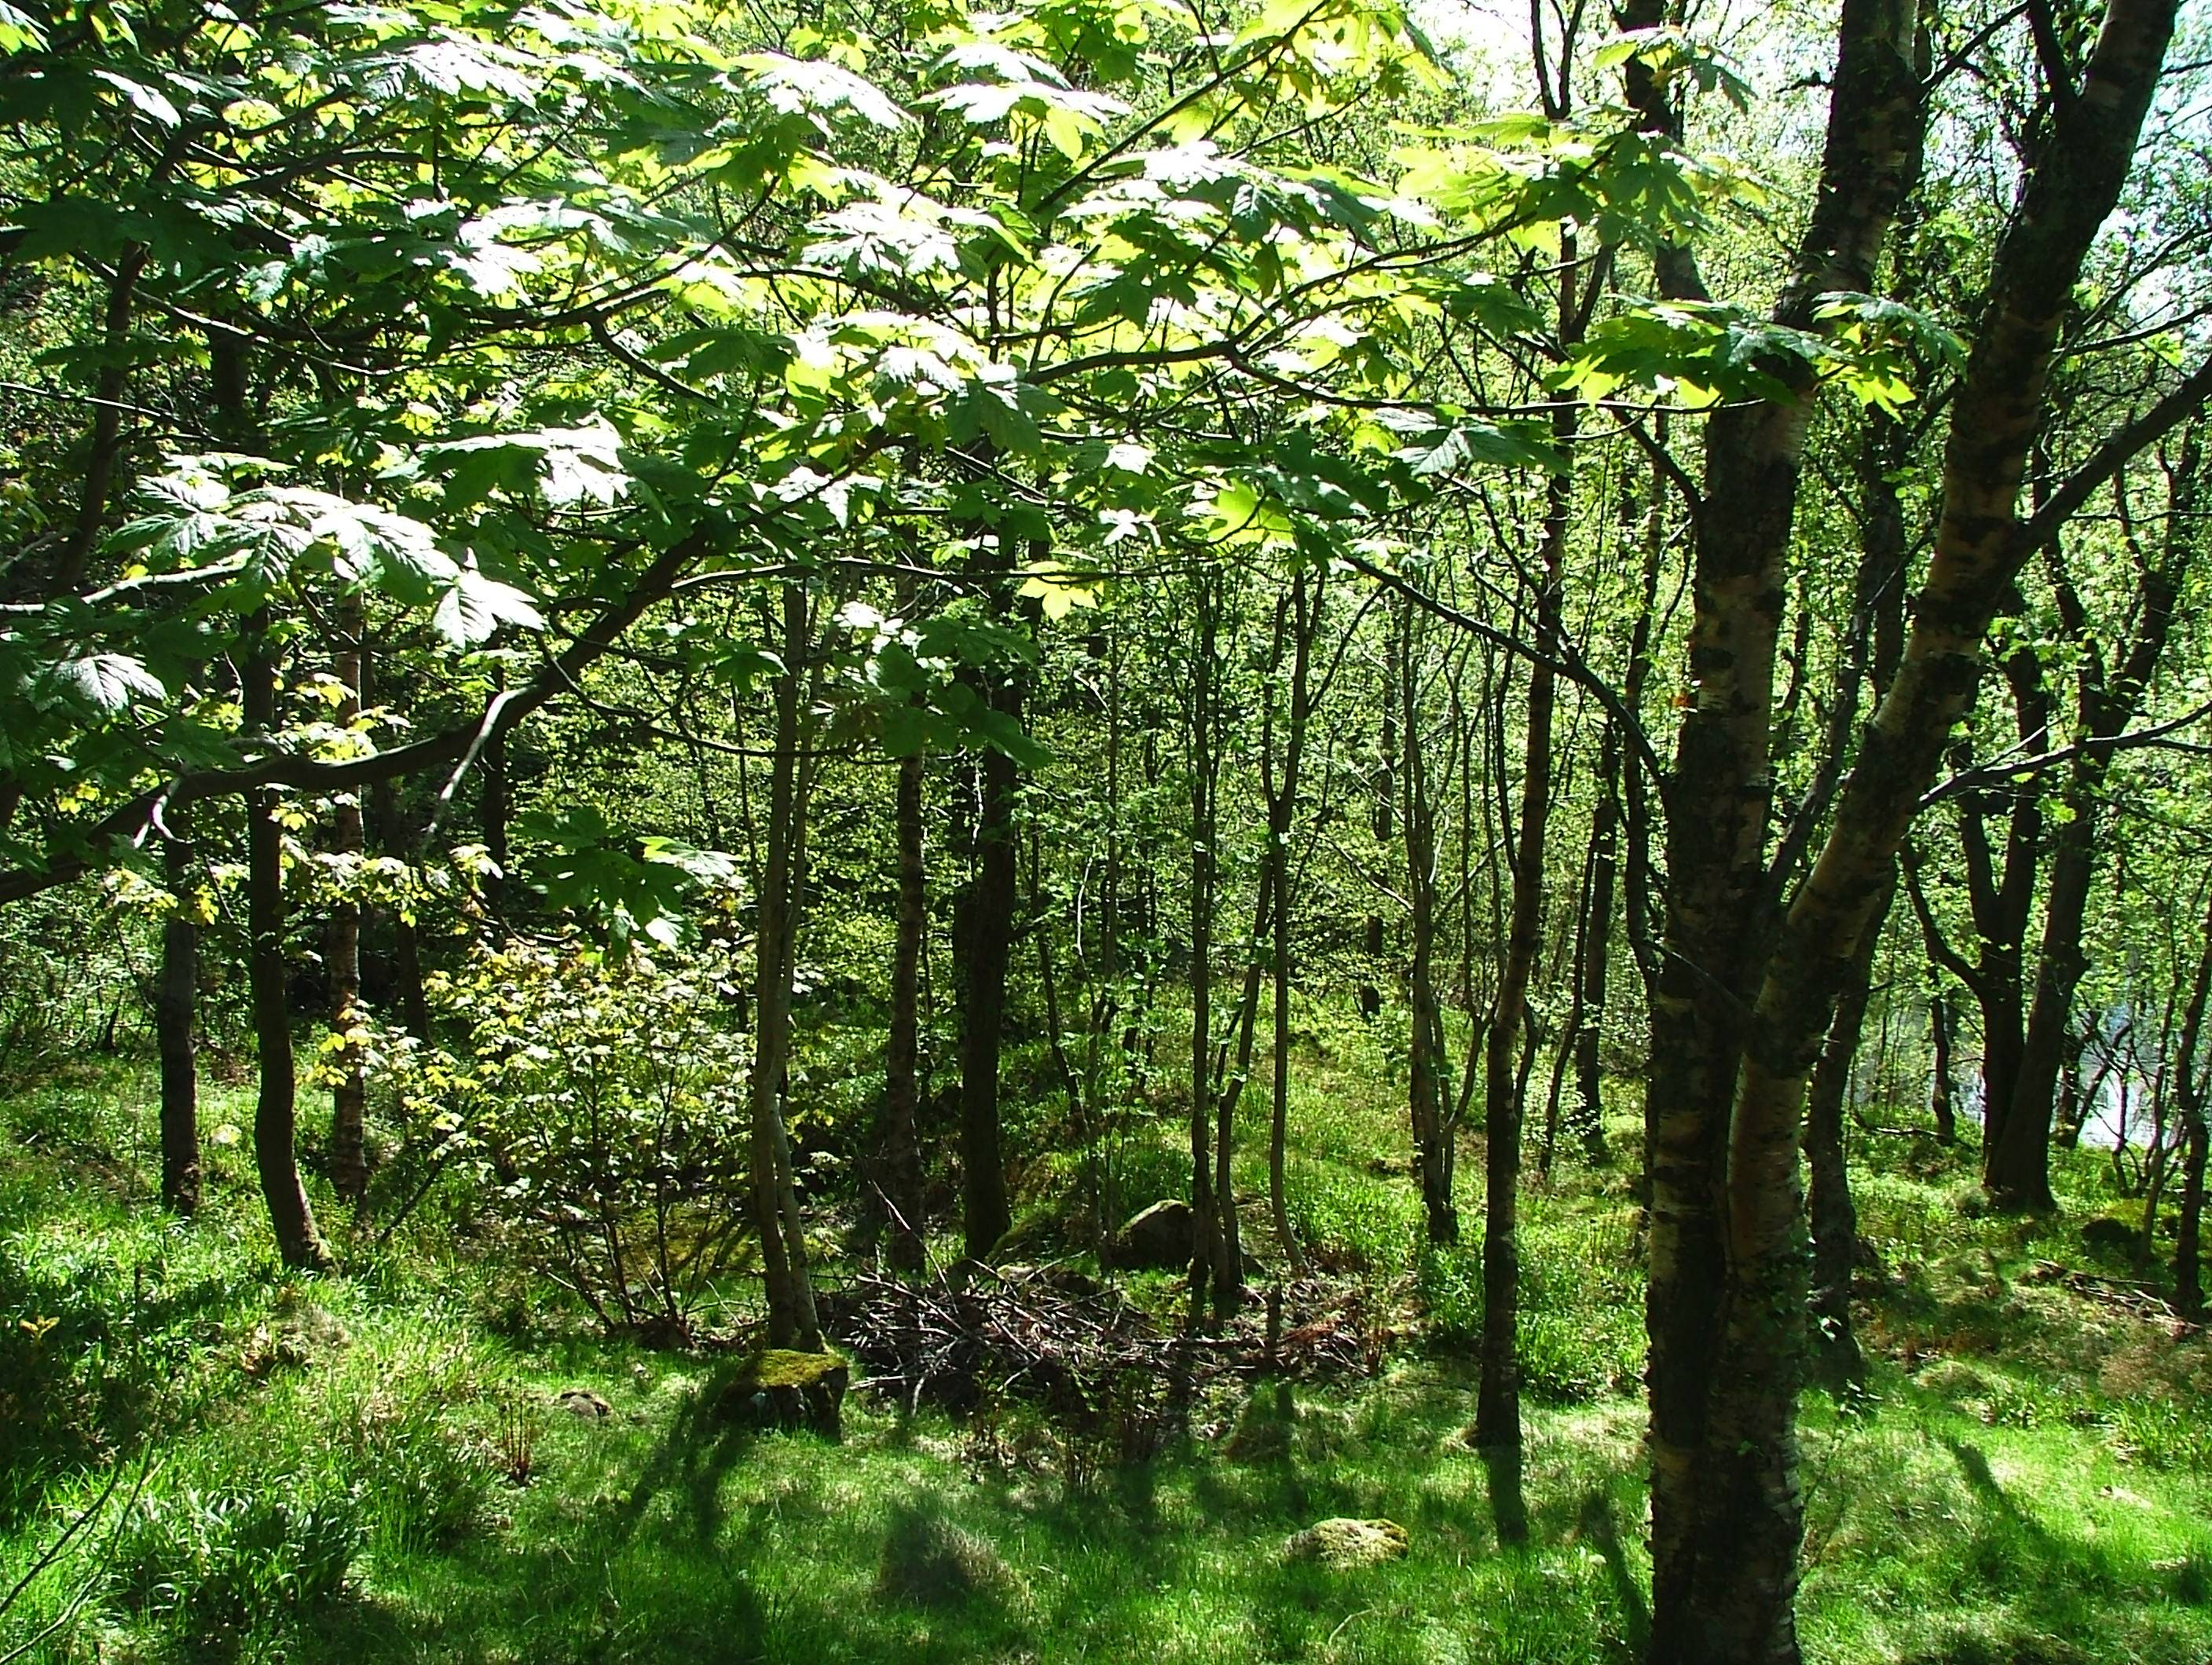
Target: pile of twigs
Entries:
(1078, 1347)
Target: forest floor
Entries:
(380, 1468)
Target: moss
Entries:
(783, 1367)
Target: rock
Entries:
(1159, 1239)
(929, 1561)
(1343, 1545)
(780, 1387)
(583, 1402)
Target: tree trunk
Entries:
(1205, 1208)
(1726, 1293)
(2191, 1092)
(342, 949)
(792, 1322)
(1307, 596)
(902, 1087)
(1725, 1566)
(174, 1000)
(1596, 946)
(1939, 1102)
(275, 1132)
(2018, 1170)
(1497, 1404)
(1833, 1216)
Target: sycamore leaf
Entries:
(19, 33)
(109, 683)
(149, 101)
(476, 607)
(804, 86)
(1059, 591)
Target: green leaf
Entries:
(108, 682)
(474, 608)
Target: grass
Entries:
(367, 1468)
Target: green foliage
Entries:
(213, 1567)
(598, 1106)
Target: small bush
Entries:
(601, 1107)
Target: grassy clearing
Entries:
(366, 1469)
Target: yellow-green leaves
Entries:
(816, 86)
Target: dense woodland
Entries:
(904, 684)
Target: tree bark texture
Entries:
(1726, 1291)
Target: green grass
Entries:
(362, 1468)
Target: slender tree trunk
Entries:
(1596, 947)
(1940, 1104)
(791, 1317)
(983, 946)
(176, 998)
(1307, 596)
(1434, 1145)
(342, 949)
(2192, 1086)
(1877, 640)
(901, 1096)
(1834, 1217)
(1206, 1207)
(275, 1132)
(2018, 1171)
(1498, 1413)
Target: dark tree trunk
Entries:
(1596, 948)
(988, 919)
(174, 1000)
(2018, 1170)
(1206, 1208)
(901, 1095)
(275, 1132)
(2193, 1086)
(983, 937)
(1498, 1404)
(2001, 900)
(1727, 1511)
(1726, 1293)
(1877, 640)
(1435, 1141)
(1833, 1216)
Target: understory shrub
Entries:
(600, 1106)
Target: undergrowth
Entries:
(383, 1467)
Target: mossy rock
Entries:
(1343, 1545)
(783, 1388)
(1157, 1239)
